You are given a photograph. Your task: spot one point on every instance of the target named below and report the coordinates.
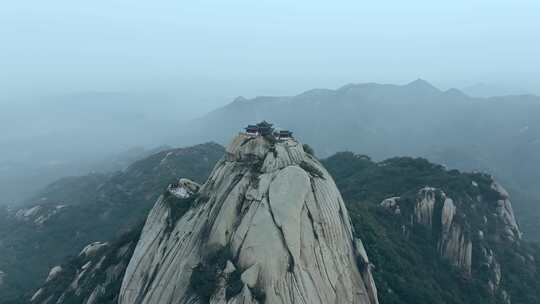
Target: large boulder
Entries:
(269, 226)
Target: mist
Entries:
(381, 152)
(84, 81)
(206, 53)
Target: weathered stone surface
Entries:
(365, 270)
(277, 212)
(506, 214)
(2, 276)
(184, 188)
(449, 223)
(392, 205)
(91, 249)
(456, 246)
(55, 271)
(424, 207)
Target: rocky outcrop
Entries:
(269, 226)
(93, 277)
(184, 188)
(455, 243)
(39, 214)
(2, 276)
(459, 227)
(505, 214)
(425, 204)
(53, 274)
(90, 250)
(392, 205)
(365, 269)
(435, 211)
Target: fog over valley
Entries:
(85, 82)
(240, 152)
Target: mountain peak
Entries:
(252, 234)
(239, 99)
(272, 155)
(421, 85)
(455, 93)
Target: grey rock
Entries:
(277, 211)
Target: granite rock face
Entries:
(461, 226)
(505, 212)
(269, 226)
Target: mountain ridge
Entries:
(73, 212)
(383, 120)
(411, 261)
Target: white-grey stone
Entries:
(425, 206)
(392, 205)
(184, 188)
(91, 249)
(2, 277)
(287, 228)
(229, 268)
(53, 274)
(251, 276)
(506, 214)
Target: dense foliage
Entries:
(206, 276)
(407, 269)
(104, 270)
(96, 208)
(410, 269)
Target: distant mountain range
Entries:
(452, 211)
(499, 135)
(492, 90)
(76, 134)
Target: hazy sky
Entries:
(207, 52)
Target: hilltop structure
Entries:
(265, 128)
(268, 226)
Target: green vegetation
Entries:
(206, 275)
(113, 261)
(409, 269)
(234, 285)
(308, 149)
(313, 171)
(98, 208)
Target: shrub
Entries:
(178, 206)
(234, 285)
(205, 277)
(311, 170)
(309, 150)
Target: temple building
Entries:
(252, 130)
(265, 128)
(283, 134)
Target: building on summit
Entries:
(265, 128)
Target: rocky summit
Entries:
(268, 226)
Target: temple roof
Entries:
(264, 124)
